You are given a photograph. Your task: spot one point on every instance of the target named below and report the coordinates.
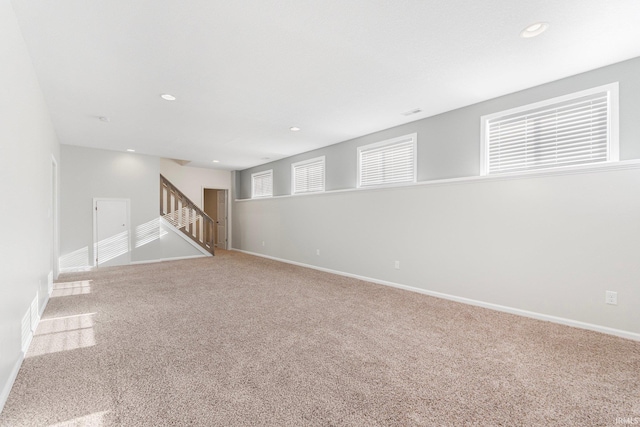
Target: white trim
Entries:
(146, 261)
(44, 306)
(484, 148)
(413, 137)
(571, 170)
(27, 344)
(95, 225)
(227, 219)
(170, 226)
(70, 316)
(76, 269)
(525, 313)
(614, 122)
(305, 162)
(6, 390)
(268, 172)
(152, 261)
(227, 201)
(556, 100)
(55, 221)
(612, 90)
(49, 284)
(10, 381)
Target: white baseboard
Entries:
(76, 269)
(531, 314)
(145, 261)
(6, 390)
(44, 306)
(151, 261)
(9, 384)
(49, 284)
(166, 224)
(27, 344)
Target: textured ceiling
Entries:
(245, 71)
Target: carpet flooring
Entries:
(237, 340)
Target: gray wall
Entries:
(449, 143)
(546, 244)
(87, 173)
(27, 144)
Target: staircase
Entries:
(183, 214)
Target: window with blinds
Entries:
(262, 184)
(388, 162)
(577, 129)
(308, 176)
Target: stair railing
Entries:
(183, 214)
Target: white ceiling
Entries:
(245, 71)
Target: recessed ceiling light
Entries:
(216, 161)
(168, 97)
(294, 129)
(534, 30)
(131, 150)
(104, 119)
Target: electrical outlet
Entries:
(263, 243)
(397, 265)
(611, 297)
(317, 251)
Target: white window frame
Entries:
(302, 163)
(413, 137)
(253, 182)
(613, 127)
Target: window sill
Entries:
(571, 170)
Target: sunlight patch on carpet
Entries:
(62, 334)
(94, 420)
(66, 289)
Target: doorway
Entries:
(215, 205)
(111, 233)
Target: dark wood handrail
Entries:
(185, 215)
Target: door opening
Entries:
(215, 205)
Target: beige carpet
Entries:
(239, 340)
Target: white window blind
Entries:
(387, 162)
(573, 130)
(262, 184)
(308, 176)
